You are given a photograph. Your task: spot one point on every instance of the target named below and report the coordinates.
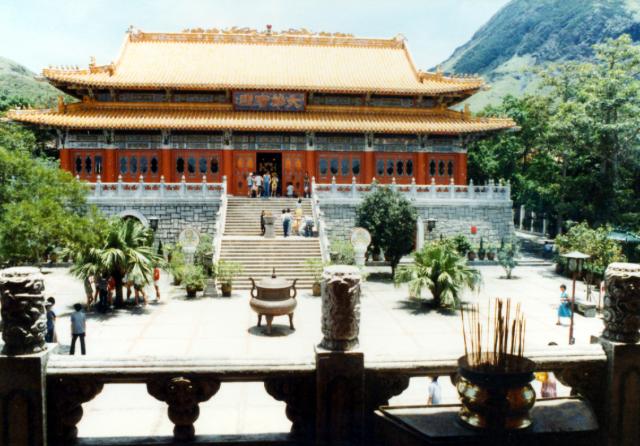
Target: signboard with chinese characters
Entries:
(268, 101)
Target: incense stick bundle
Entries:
(492, 345)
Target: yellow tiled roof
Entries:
(244, 59)
(316, 118)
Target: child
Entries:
(156, 281)
(564, 310)
(51, 321)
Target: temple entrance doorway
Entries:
(270, 162)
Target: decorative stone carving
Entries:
(183, 394)
(340, 307)
(300, 395)
(622, 303)
(23, 313)
(360, 239)
(65, 398)
(381, 387)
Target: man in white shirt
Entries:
(435, 393)
(78, 329)
(258, 180)
(290, 190)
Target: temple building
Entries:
(201, 105)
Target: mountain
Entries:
(530, 33)
(18, 85)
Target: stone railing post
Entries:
(374, 184)
(419, 233)
(204, 186)
(334, 186)
(119, 186)
(23, 359)
(490, 189)
(544, 224)
(97, 191)
(394, 187)
(354, 188)
(533, 220)
(140, 191)
(507, 190)
(471, 190)
(339, 364)
(162, 186)
(433, 189)
(620, 340)
(413, 191)
(521, 223)
(183, 186)
(452, 189)
(224, 185)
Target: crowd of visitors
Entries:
(265, 184)
(295, 223)
(100, 289)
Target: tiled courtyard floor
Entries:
(391, 326)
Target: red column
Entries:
(368, 167)
(110, 170)
(227, 167)
(462, 169)
(421, 168)
(310, 163)
(65, 160)
(166, 166)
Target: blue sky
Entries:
(37, 33)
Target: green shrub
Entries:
(462, 244)
(193, 277)
(342, 253)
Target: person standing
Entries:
(103, 289)
(267, 185)
(307, 185)
(435, 392)
(290, 190)
(262, 223)
(564, 310)
(258, 180)
(285, 222)
(274, 184)
(78, 329)
(249, 184)
(51, 321)
(156, 281)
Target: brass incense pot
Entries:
(496, 399)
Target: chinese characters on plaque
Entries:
(268, 101)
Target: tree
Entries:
(125, 250)
(391, 221)
(41, 208)
(507, 257)
(439, 268)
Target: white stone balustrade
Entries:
(491, 192)
(144, 192)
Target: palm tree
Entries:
(126, 250)
(439, 268)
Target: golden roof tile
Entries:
(203, 118)
(247, 59)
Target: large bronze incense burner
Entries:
(272, 297)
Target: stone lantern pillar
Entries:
(23, 358)
(340, 377)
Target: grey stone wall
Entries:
(172, 217)
(493, 219)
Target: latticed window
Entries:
(441, 168)
(214, 165)
(144, 165)
(191, 165)
(355, 166)
(154, 165)
(432, 168)
(409, 168)
(180, 165)
(123, 165)
(450, 168)
(133, 164)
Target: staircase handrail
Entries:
(320, 224)
(221, 219)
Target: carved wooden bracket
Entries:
(300, 395)
(182, 395)
(65, 398)
(588, 382)
(381, 387)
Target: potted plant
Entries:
(226, 272)
(491, 253)
(193, 279)
(462, 244)
(471, 255)
(177, 266)
(482, 253)
(315, 268)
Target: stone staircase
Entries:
(243, 243)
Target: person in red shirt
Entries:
(111, 287)
(156, 281)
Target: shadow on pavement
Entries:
(423, 306)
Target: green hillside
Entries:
(530, 33)
(18, 86)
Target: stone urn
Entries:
(269, 229)
(273, 296)
(340, 307)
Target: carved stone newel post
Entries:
(339, 365)
(23, 359)
(622, 303)
(620, 342)
(23, 313)
(340, 307)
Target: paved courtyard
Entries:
(392, 325)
